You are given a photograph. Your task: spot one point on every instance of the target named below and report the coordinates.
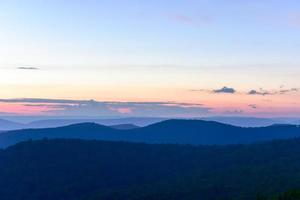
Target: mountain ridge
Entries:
(173, 131)
(10, 124)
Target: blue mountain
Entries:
(193, 132)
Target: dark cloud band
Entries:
(113, 108)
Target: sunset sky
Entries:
(170, 58)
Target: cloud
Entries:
(260, 92)
(283, 91)
(40, 100)
(200, 90)
(222, 90)
(122, 110)
(67, 107)
(274, 92)
(225, 90)
(234, 112)
(253, 106)
(8, 113)
(28, 68)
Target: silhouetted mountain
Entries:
(92, 170)
(170, 131)
(235, 121)
(10, 125)
(51, 123)
(80, 131)
(296, 122)
(246, 121)
(121, 123)
(124, 126)
(140, 122)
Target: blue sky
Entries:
(123, 50)
(189, 33)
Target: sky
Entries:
(174, 58)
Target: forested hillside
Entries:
(77, 169)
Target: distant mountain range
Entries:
(10, 125)
(250, 121)
(170, 131)
(141, 122)
(51, 123)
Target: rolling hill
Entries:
(170, 131)
(28, 122)
(8, 125)
(51, 123)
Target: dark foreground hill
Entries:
(170, 131)
(97, 170)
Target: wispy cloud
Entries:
(224, 89)
(253, 106)
(233, 112)
(272, 92)
(28, 68)
(261, 91)
(283, 91)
